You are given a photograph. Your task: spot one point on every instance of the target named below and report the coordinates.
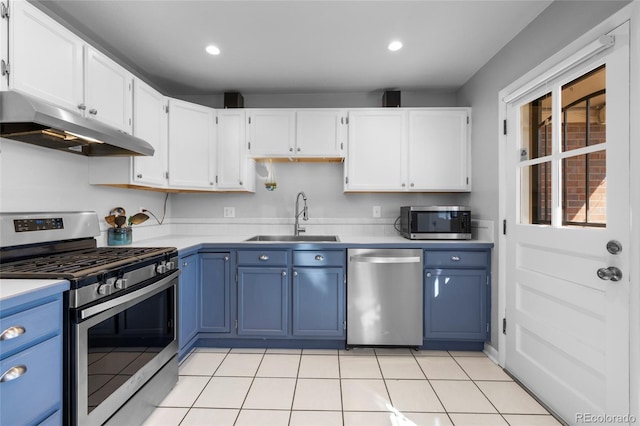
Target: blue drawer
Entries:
(263, 258)
(452, 259)
(37, 393)
(38, 323)
(318, 258)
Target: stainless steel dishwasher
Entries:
(384, 297)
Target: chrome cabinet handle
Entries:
(82, 107)
(295, 273)
(290, 149)
(93, 111)
(185, 264)
(610, 274)
(455, 258)
(226, 258)
(284, 273)
(319, 257)
(13, 373)
(12, 332)
(264, 257)
(139, 176)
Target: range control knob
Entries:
(162, 267)
(120, 283)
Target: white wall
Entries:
(557, 26)
(33, 178)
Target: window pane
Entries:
(536, 197)
(584, 111)
(585, 189)
(535, 129)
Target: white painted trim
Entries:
(556, 64)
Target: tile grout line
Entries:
(433, 389)
(253, 379)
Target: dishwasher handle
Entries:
(385, 259)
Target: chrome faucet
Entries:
(297, 229)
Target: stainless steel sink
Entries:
(295, 238)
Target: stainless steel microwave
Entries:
(435, 222)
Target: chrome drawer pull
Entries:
(12, 332)
(319, 258)
(455, 258)
(13, 373)
(264, 257)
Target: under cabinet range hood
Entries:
(31, 120)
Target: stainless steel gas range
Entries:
(120, 312)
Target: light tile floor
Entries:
(272, 387)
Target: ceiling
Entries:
(301, 46)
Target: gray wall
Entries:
(556, 27)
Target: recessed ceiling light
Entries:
(395, 45)
(212, 50)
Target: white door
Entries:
(567, 331)
(377, 151)
(150, 124)
(108, 91)
(320, 133)
(439, 149)
(191, 146)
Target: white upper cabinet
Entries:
(46, 59)
(377, 151)
(302, 133)
(439, 150)
(108, 91)
(236, 171)
(320, 133)
(191, 146)
(422, 150)
(271, 132)
(150, 124)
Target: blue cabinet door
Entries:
(215, 293)
(187, 291)
(263, 299)
(318, 302)
(455, 306)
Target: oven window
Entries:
(121, 345)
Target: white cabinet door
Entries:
(320, 133)
(377, 151)
(45, 58)
(235, 171)
(271, 133)
(191, 146)
(150, 124)
(439, 150)
(108, 91)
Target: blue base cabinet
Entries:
(263, 300)
(318, 294)
(456, 296)
(31, 358)
(188, 302)
(214, 293)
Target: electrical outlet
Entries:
(229, 212)
(376, 211)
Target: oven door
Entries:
(118, 345)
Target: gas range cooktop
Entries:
(79, 264)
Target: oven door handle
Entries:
(144, 292)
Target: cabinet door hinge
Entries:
(487, 328)
(467, 119)
(504, 127)
(488, 279)
(166, 109)
(249, 118)
(216, 179)
(344, 325)
(504, 227)
(4, 11)
(216, 120)
(504, 325)
(236, 324)
(467, 180)
(346, 180)
(166, 175)
(249, 146)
